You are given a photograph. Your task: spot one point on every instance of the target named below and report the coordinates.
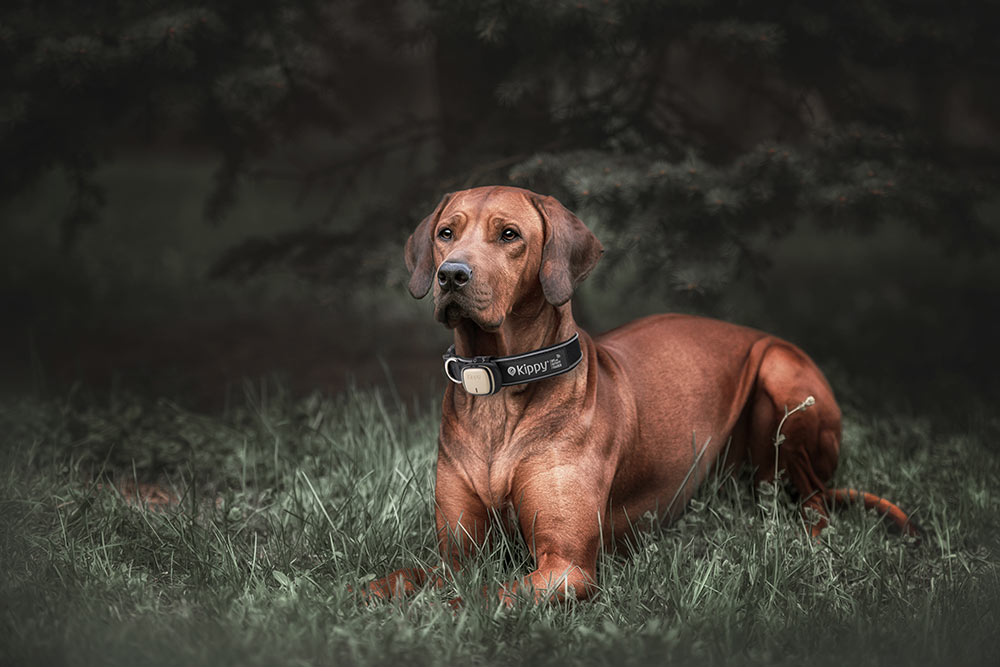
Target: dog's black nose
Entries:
(454, 275)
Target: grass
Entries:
(285, 503)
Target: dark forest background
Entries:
(191, 195)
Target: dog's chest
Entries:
(487, 444)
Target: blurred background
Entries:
(194, 195)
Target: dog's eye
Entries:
(510, 234)
(444, 233)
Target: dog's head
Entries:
(488, 249)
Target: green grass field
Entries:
(285, 503)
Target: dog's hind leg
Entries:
(809, 448)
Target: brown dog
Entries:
(579, 457)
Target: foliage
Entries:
(285, 503)
(689, 132)
(237, 77)
(692, 133)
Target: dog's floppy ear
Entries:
(570, 251)
(420, 252)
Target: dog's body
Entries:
(581, 457)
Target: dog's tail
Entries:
(844, 497)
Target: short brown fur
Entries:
(580, 457)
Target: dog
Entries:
(578, 437)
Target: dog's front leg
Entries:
(561, 515)
(556, 578)
(461, 527)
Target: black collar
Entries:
(486, 375)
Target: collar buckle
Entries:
(479, 376)
(450, 357)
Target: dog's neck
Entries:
(523, 330)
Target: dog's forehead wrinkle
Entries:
(491, 205)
